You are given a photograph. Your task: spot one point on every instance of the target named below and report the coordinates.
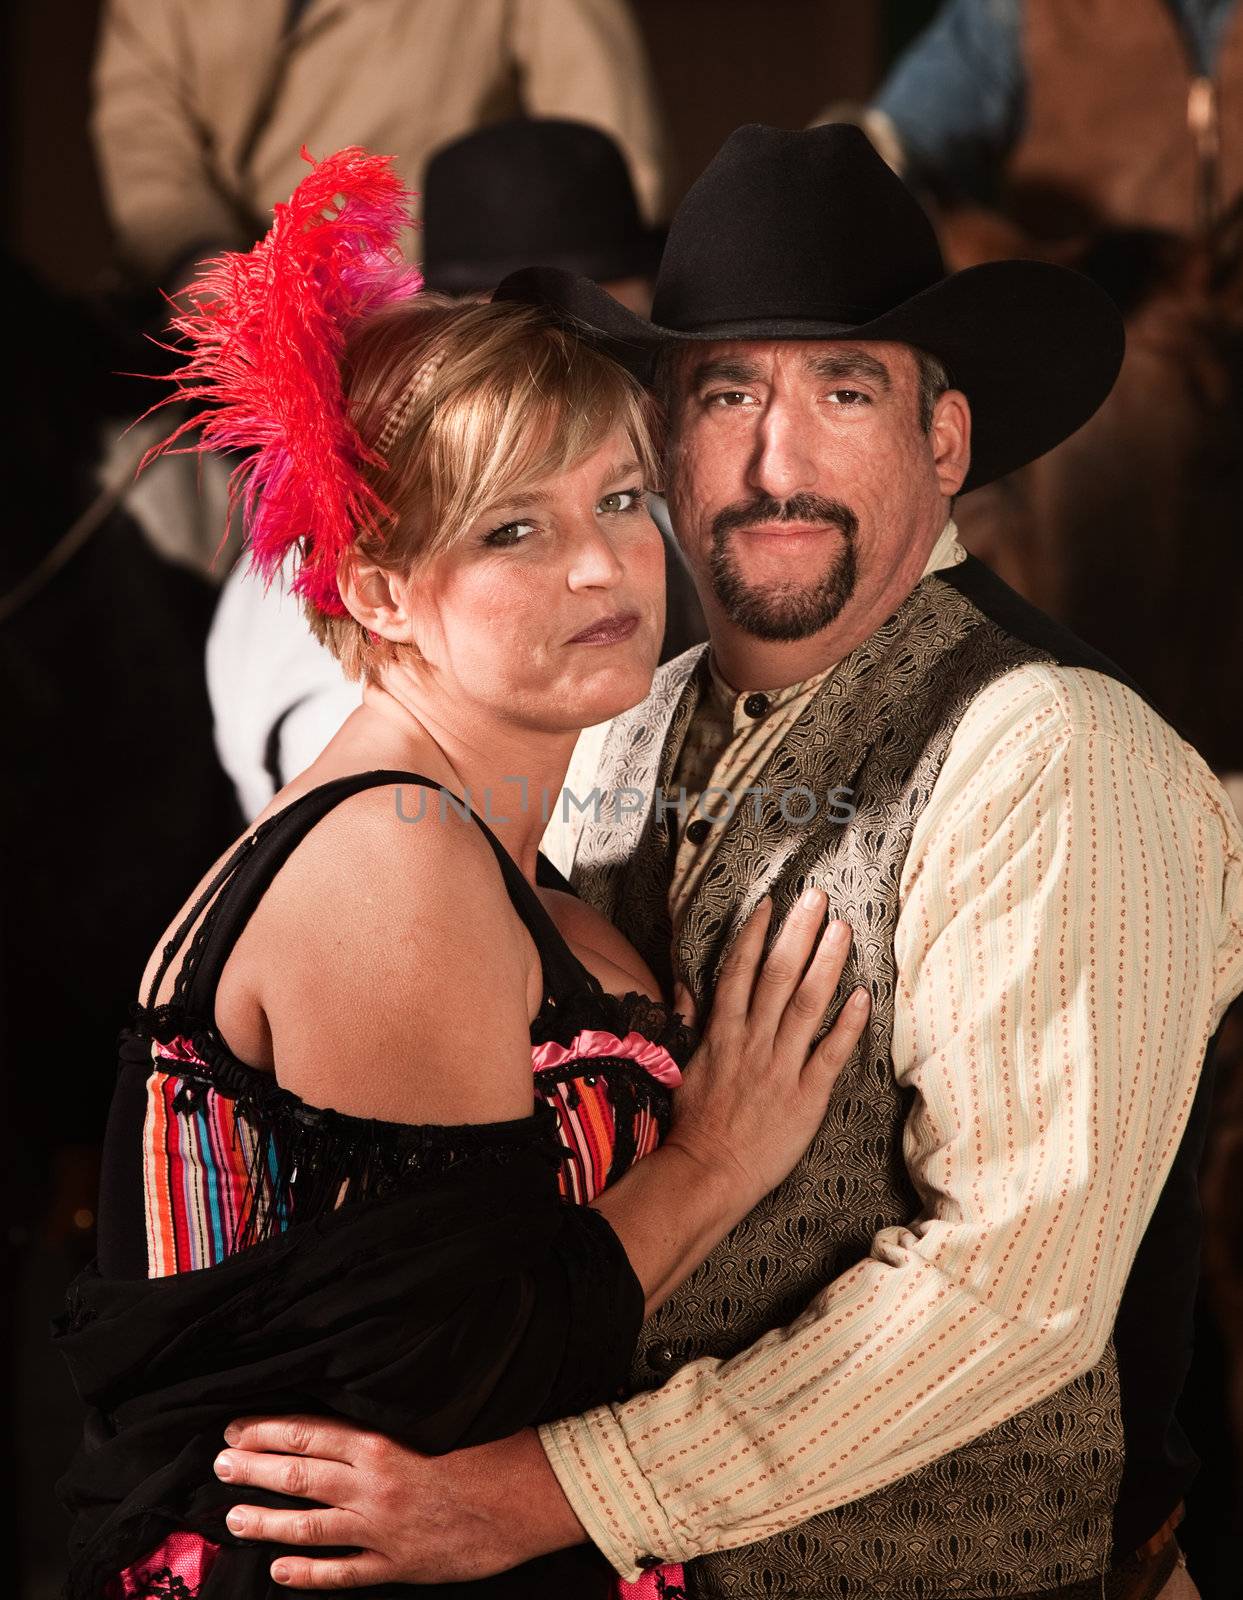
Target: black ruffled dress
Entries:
(445, 1285)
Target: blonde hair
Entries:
(469, 405)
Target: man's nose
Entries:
(784, 461)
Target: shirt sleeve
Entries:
(150, 144)
(1071, 930)
(277, 695)
(955, 97)
(585, 60)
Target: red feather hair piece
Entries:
(266, 329)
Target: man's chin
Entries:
(789, 620)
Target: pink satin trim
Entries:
(664, 1583)
(653, 1058)
(186, 1557)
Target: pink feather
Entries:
(266, 330)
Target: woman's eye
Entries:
(850, 397)
(621, 501)
(510, 533)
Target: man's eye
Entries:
(509, 533)
(731, 397)
(620, 501)
(850, 397)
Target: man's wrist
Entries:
(547, 1514)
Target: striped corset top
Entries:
(230, 1158)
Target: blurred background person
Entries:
(1071, 115)
(199, 113)
(1108, 135)
(525, 191)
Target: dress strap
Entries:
(244, 879)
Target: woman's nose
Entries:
(594, 562)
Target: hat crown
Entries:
(529, 189)
(799, 226)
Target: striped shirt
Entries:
(1070, 933)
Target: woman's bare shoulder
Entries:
(392, 970)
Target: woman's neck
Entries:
(511, 777)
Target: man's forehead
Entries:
(708, 359)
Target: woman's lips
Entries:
(611, 631)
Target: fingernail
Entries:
(233, 1434)
(839, 932)
(224, 1467)
(811, 898)
(860, 998)
(236, 1519)
(281, 1574)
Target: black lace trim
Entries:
(311, 1159)
(164, 1584)
(559, 1020)
(628, 1083)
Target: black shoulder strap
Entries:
(244, 879)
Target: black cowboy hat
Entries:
(811, 236)
(532, 190)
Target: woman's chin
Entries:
(612, 693)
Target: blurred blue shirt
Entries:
(956, 95)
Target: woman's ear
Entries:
(950, 437)
(374, 597)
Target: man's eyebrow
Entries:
(724, 369)
(850, 364)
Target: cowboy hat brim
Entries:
(1034, 347)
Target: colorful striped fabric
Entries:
(209, 1171)
(587, 1117)
(199, 1156)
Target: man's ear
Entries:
(950, 437)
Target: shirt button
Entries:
(697, 831)
(660, 1357)
(755, 705)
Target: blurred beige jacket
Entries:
(200, 108)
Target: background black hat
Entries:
(531, 190)
(810, 235)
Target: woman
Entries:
(324, 1185)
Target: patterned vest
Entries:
(1029, 1506)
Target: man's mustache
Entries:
(802, 508)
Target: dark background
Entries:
(717, 63)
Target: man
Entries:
(942, 1358)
